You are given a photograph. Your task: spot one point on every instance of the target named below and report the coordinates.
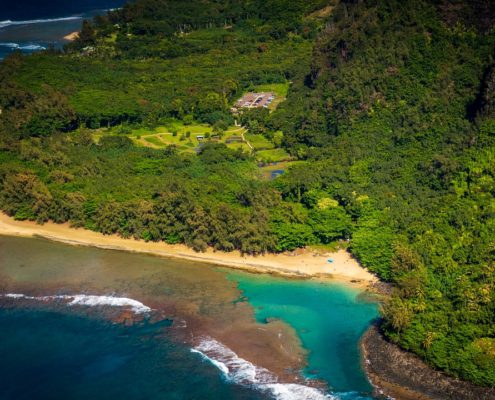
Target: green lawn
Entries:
(259, 142)
(154, 140)
(273, 155)
(280, 89)
(185, 137)
(162, 136)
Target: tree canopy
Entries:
(390, 115)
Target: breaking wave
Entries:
(18, 46)
(245, 373)
(8, 22)
(88, 300)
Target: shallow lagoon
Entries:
(328, 317)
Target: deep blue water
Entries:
(49, 355)
(32, 25)
(50, 349)
(37, 9)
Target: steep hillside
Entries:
(396, 117)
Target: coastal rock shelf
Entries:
(404, 376)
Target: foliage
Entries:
(390, 115)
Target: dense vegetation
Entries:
(397, 123)
(391, 112)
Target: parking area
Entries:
(255, 100)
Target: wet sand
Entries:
(303, 264)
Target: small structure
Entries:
(199, 137)
(254, 100)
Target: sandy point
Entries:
(339, 265)
(71, 36)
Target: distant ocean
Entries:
(33, 25)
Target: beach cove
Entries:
(300, 264)
(253, 335)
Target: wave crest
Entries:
(88, 300)
(8, 22)
(23, 46)
(243, 372)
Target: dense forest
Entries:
(390, 115)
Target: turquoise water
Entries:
(329, 318)
(204, 325)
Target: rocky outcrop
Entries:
(403, 376)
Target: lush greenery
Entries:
(390, 114)
(397, 123)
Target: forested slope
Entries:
(396, 116)
(390, 112)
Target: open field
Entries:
(185, 137)
(273, 155)
(259, 142)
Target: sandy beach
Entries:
(303, 264)
(71, 36)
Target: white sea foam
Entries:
(294, 391)
(8, 22)
(243, 372)
(11, 45)
(32, 47)
(89, 300)
(23, 46)
(14, 295)
(220, 365)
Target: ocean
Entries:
(31, 25)
(80, 322)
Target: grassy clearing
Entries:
(154, 140)
(259, 142)
(280, 89)
(242, 146)
(185, 137)
(273, 155)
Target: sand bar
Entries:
(300, 264)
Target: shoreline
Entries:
(401, 375)
(300, 264)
